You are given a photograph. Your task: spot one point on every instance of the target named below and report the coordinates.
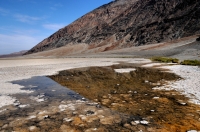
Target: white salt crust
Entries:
(18, 69)
(189, 85)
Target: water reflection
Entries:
(47, 88)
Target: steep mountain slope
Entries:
(127, 23)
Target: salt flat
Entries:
(18, 69)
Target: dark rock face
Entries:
(126, 23)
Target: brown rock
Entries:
(77, 121)
(107, 120)
(33, 129)
(65, 128)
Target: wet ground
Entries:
(135, 94)
(103, 99)
(54, 108)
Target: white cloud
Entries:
(26, 31)
(56, 6)
(14, 43)
(54, 27)
(27, 18)
(18, 30)
(3, 11)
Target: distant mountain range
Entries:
(127, 23)
(15, 54)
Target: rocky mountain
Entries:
(127, 23)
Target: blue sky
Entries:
(24, 23)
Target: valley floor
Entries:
(23, 108)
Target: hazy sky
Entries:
(24, 23)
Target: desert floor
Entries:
(32, 102)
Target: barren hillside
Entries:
(127, 23)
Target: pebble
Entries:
(133, 123)
(74, 113)
(3, 110)
(31, 128)
(130, 91)
(156, 97)
(32, 117)
(127, 125)
(92, 104)
(89, 112)
(183, 103)
(98, 106)
(22, 106)
(5, 126)
(91, 130)
(137, 122)
(192, 131)
(114, 104)
(68, 119)
(46, 116)
(144, 122)
(104, 97)
(16, 104)
(42, 112)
